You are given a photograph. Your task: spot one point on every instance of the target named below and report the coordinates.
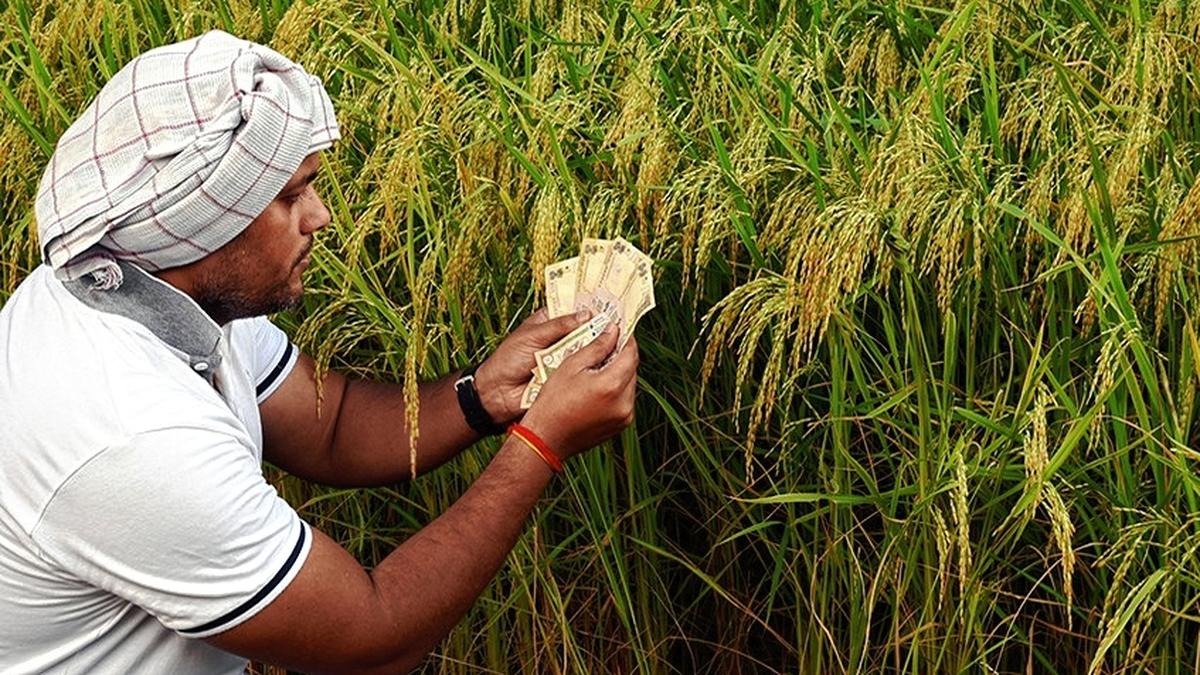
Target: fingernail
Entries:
(582, 314)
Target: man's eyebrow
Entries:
(294, 185)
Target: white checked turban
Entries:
(185, 146)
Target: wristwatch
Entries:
(472, 408)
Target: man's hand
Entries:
(501, 379)
(589, 398)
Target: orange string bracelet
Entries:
(537, 445)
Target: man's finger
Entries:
(625, 363)
(630, 390)
(552, 330)
(593, 353)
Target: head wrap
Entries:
(182, 148)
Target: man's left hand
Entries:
(501, 379)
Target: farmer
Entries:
(141, 388)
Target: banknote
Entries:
(637, 299)
(531, 393)
(612, 279)
(616, 275)
(549, 359)
(561, 278)
(591, 265)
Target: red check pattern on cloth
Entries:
(178, 152)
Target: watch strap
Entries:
(472, 407)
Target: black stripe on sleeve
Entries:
(246, 606)
(270, 379)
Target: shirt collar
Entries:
(172, 315)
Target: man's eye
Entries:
(292, 198)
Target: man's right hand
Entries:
(586, 401)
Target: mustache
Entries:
(307, 249)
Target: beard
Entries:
(225, 302)
(235, 293)
(238, 282)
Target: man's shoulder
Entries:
(55, 346)
(42, 317)
(74, 382)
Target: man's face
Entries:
(258, 272)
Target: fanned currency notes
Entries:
(612, 279)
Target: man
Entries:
(140, 389)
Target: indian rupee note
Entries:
(560, 287)
(531, 389)
(549, 359)
(615, 277)
(591, 263)
(530, 394)
(637, 299)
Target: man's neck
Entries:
(182, 278)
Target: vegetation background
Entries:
(919, 395)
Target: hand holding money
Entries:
(584, 404)
(613, 280)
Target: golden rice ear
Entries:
(654, 175)
(1181, 258)
(19, 245)
(962, 521)
(333, 329)
(638, 101)
(944, 539)
(872, 64)
(546, 226)
(424, 291)
(1034, 451)
(304, 32)
(1040, 490)
(1063, 532)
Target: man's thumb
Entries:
(552, 330)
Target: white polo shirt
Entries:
(134, 515)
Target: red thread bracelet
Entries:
(537, 445)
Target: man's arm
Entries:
(334, 616)
(357, 435)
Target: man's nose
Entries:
(317, 218)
